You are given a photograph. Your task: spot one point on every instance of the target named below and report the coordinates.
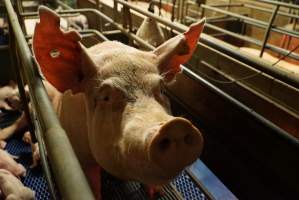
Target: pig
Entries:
(150, 31)
(34, 148)
(77, 22)
(19, 125)
(2, 144)
(9, 97)
(12, 188)
(109, 99)
(7, 162)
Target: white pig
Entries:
(12, 188)
(7, 162)
(109, 101)
(34, 149)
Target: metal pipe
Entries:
(279, 132)
(67, 171)
(246, 5)
(255, 41)
(254, 22)
(288, 5)
(268, 30)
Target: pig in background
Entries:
(150, 31)
(110, 101)
(78, 22)
(12, 188)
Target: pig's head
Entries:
(130, 130)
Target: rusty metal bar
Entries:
(268, 30)
(67, 171)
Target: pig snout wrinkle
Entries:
(176, 145)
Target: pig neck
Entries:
(72, 114)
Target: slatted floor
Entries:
(112, 188)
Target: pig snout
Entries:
(174, 145)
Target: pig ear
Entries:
(58, 53)
(178, 50)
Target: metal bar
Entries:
(207, 180)
(268, 30)
(288, 5)
(4, 47)
(68, 174)
(255, 41)
(279, 132)
(270, 11)
(254, 22)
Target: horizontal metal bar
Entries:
(4, 47)
(254, 22)
(226, 5)
(246, 5)
(255, 41)
(72, 182)
(280, 132)
(288, 5)
(210, 184)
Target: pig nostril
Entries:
(188, 139)
(164, 144)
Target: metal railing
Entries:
(70, 179)
(267, 26)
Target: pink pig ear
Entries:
(178, 50)
(58, 53)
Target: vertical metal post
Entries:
(181, 10)
(268, 30)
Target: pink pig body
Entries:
(7, 162)
(110, 102)
(12, 188)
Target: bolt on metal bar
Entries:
(67, 171)
(268, 30)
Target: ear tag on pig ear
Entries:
(178, 50)
(58, 53)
